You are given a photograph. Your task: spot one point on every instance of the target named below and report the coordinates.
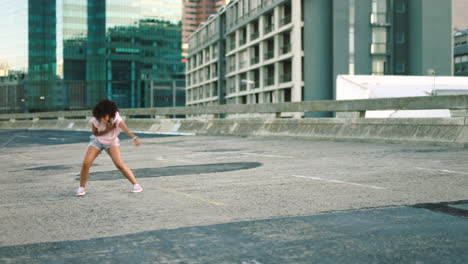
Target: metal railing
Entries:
(286, 77)
(285, 49)
(269, 81)
(254, 60)
(269, 54)
(456, 103)
(285, 20)
(242, 41)
(254, 35)
(268, 28)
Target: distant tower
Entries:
(196, 12)
(460, 14)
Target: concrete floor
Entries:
(232, 200)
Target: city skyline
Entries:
(68, 54)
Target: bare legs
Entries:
(88, 160)
(114, 153)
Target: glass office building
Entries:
(69, 54)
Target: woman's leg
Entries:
(114, 153)
(88, 160)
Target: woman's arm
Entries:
(129, 133)
(100, 133)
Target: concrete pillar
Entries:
(261, 51)
(221, 67)
(362, 38)
(296, 48)
(318, 52)
(132, 84)
(429, 18)
(109, 79)
(341, 40)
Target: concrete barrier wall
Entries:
(434, 131)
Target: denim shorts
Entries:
(95, 143)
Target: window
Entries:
(400, 67)
(400, 37)
(400, 7)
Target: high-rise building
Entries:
(69, 54)
(461, 53)
(291, 50)
(460, 15)
(196, 12)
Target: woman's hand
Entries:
(137, 142)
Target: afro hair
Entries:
(103, 108)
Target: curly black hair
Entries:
(103, 108)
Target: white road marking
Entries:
(266, 155)
(6, 143)
(59, 139)
(447, 171)
(341, 182)
(186, 161)
(178, 160)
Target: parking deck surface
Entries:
(232, 200)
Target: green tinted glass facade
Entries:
(69, 54)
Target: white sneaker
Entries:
(137, 188)
(81, 191)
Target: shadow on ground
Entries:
(379, 235)
(29, 138)
(175, 170)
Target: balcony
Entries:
(285, 49)
(242, 64)
(286, 77)
(285, 20)
(269, 80)
(254, 60)
(242, 42)
(380, 49)
(269, 28)
(232, 45)
(269, 54)
(380, 19)
(254, 35)
(242, 86)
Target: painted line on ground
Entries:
(177, 160)
(340, 182)
(447, 171)
(191, 196)
(266, 155)
(8, 141)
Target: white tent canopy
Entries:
(367, 86)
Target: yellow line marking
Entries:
(191, 196)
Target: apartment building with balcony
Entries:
(270, 51)
(258, 62)
(461, 53)
(194, 13)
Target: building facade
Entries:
(461, 53)
(196, 12)
(73, 53)
(291, 50)
(246, 55)
(460, 15)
